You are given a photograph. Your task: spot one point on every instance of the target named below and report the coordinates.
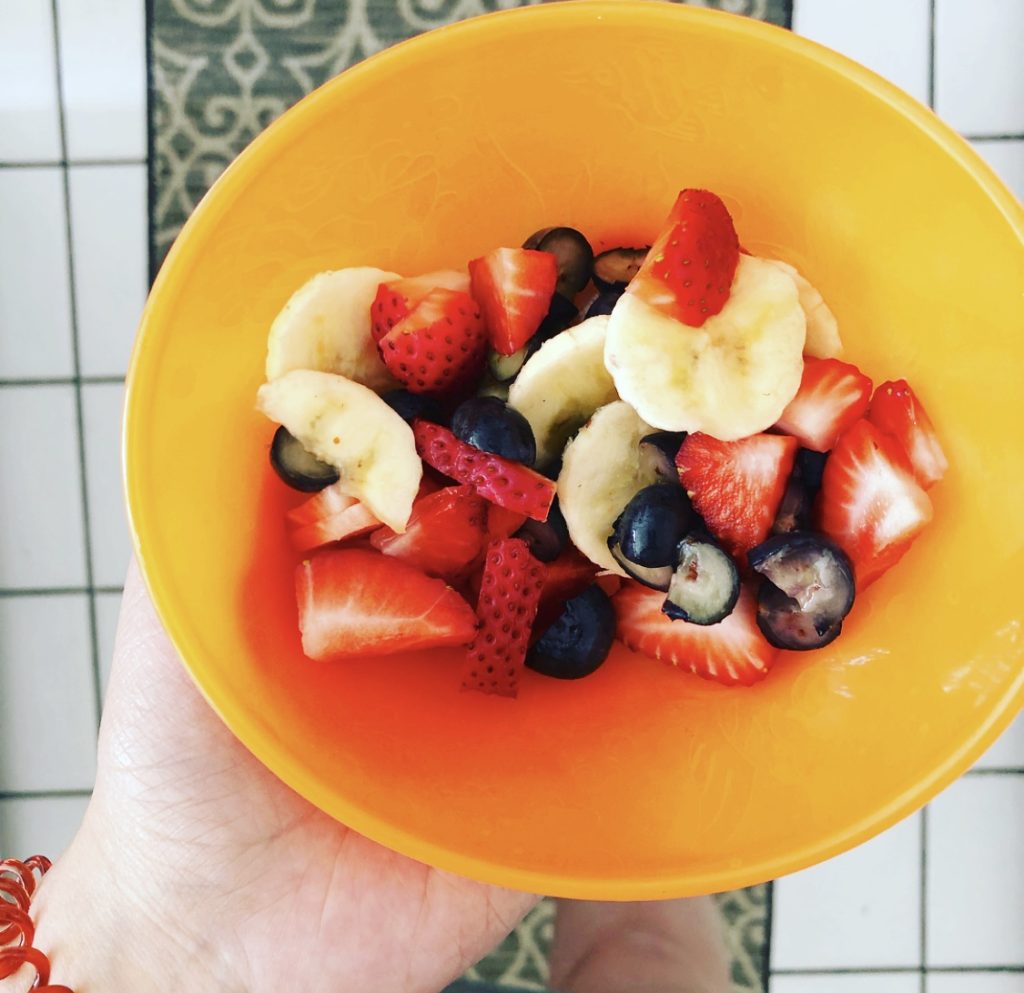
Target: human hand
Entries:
(197, 869)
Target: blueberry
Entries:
(794, 513)
(297, 467)
(546, 539)
(573, 253)
(561, 313)
(658, 454)
(409, 406)
(618, 266)
(705, 584)
(653, 524)
(604, 302)
(809, 466)
(657, 578)
(808, 589)
(490, 424)
(579, 640)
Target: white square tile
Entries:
(859, 909)
(41, 528)
(976, 873)
(108, 235)
(111, 547)
(890, 38)
(875, 982)
(1006, 753)
(976, 982)
(47, 698)
(979, 72)
(1007, 158)
(29, 122)
(40, 825)
(103, 61)
(35, 305)
(108, 610)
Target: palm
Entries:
(288, 897)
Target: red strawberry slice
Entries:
(831, 397)
(732, 652)
(508, 484)
(514, 287)
(870, 504)
(445, 534)
(388, 308)
(439, 346)
(689, 270)
(502, 523)
(736, 486)
(329, 516)
(896, 410)
(509, 594)
(567, 576)
(354, 603)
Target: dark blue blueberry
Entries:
(547, 539)
(653, 524)
(561, 313)
(794, 513)
(491, 425)
(809, 466)
(807, 592)
(604, 302)
(574, 256)
(618, 266)
(412, 405)
(579, 641)
(297, 467)
(658, 454)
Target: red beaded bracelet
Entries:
(17, 884)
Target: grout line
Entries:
(903, 970)
(1008, 136)
(997, 771)
(76, 353)
(931, 54)
(41, 794)
(924, 900)
(766, 961)
(110, 380)
(12, 592)
(63, 163)
(150, 146)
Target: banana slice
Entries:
(562, 384)
(729, 378)
(326, 326)
(601, 471)
(350, 427)
(823, 341)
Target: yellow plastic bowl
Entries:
(640, 781)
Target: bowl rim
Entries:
(183, 255)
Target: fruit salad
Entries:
(553, 449)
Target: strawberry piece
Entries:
(509, 594)
(330, 515)
(732, 652)
(445, 534)
(439, 346)
(503, 523)
(831, 397)
(388, 308)
(507, 484)
(689, 270)
(736, 486)
(870, 504)
(896, 410)
(567, 576)
(514, 287)
(354, 603)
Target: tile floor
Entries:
(936, 905)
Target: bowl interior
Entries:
(640, 781)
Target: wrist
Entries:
(105, 934)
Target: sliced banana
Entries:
(326, 326)
(562, 384)
(601, 472)
(729, 378)
(823, 341)
(350, 427)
